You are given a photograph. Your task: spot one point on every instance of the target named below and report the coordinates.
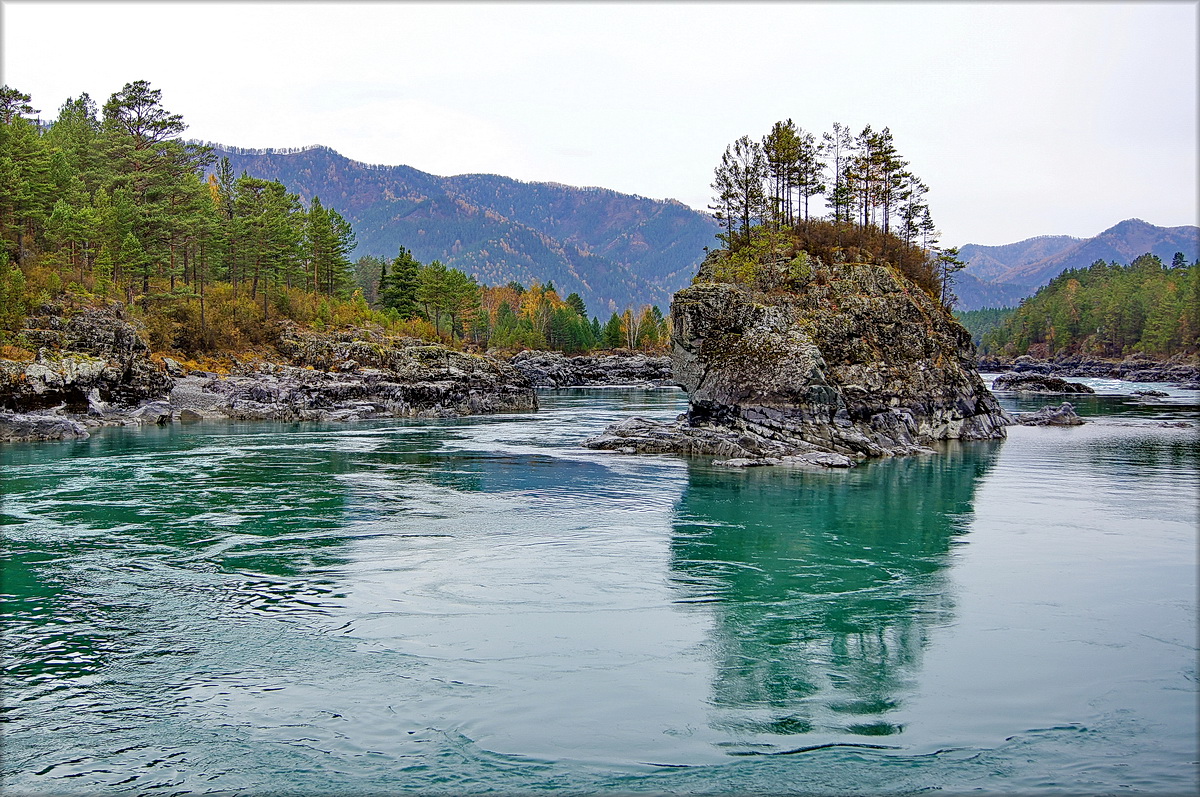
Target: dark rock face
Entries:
(1136, 368)
(554, 369)
(93, 355)
(1062, 415)
(856, 360)
(1037, 383)
(349, 376)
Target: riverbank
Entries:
(94, 369)
(1181, 370)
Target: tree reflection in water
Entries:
(824, 587)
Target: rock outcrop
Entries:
(89, 358)
(98, 373)
(1180, 369)
(1062, 415)
(551, 369)
(1015, 382)
(852, 359)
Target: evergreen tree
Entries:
(14, 104)
(398, 290)
(614, 333)
(782, 152)
(810, 169)
(839, 147)
(576, 303)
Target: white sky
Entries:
(1024, 118)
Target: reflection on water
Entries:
(824, 587)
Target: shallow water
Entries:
(481, 604)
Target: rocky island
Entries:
(812, 363)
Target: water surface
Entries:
(481, 604)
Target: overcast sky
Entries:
(1024, 119)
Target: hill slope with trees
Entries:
(109, 204)
(615, 250)
(999, 276)
(1108, 310)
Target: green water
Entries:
(475, 605)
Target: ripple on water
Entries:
(482, 604)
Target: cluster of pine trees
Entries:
(876, 208)
(113, 200)
(1108, 310)
(504, 317)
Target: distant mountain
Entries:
(998, 276)
(616, 250)
(1122, 243)
(989, 262)
(976, 294)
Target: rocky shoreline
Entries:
(93, 369)
(1179, 371)
(622, 368)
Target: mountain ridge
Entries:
(616, 250)
(998, 276)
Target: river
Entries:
(481, 604)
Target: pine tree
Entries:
(614, 333)
(576, 303)
(398, 289)
(782, 151)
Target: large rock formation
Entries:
(852, 359)
(94, 369)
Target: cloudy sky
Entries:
(1024, 118)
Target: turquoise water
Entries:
(482, 605)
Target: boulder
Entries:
(20, 427)
(1062, 415)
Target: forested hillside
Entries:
(998, 276)
(1108, 310)
(980, 322)
(111, 204)
(615, 250)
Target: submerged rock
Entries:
(853, 360)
